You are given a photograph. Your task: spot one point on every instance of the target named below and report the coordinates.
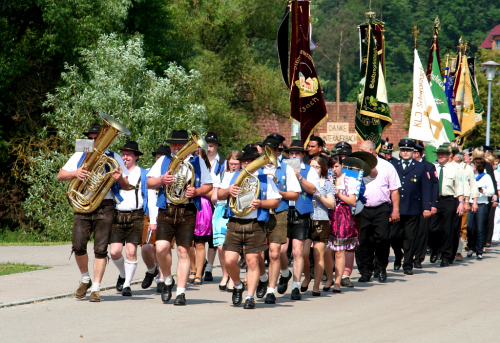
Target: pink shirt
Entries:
(379, 190)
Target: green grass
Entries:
(13, 268)
(22, 237)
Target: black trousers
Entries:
(403, 238)
(421, 237)
(444, 230)
(490, 223)
(373, 239)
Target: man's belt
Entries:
(189, 206)
(131, 211)
(107, 202)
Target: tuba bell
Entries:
(249, 184)
(86, 196)
(183, 172)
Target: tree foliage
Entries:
(114, 80)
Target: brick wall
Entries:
(347, 115)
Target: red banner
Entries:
(307, 103)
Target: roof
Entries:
(487, 44)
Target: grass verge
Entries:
(14, 268)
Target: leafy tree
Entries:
(113, 79)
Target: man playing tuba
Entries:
(248, 230)
(98, 221)
(177, 220)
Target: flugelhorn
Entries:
(248, 183)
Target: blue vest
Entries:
(282, 186)
(144, 190)
(115, 188)
(262, 213)
(304, 204)
(162, 198)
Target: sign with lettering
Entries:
(338, 132)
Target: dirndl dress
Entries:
(343, 231)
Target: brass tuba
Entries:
(85, 196)
(183, 171)
(249, 184)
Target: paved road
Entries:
(436, 304)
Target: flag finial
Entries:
(415, 33)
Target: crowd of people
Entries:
(272, 206)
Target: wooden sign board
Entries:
(338, 132)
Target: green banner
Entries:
(372, 111)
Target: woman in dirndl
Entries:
(343, 232)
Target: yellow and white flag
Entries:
(464, 101)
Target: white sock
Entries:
(263, 278)
(345, 276)
(168, 280)
(239, 286)
(130, 268)
(96, 287)
(86, 277)
(295, 285)
(209, 268)
(180, 291)
(152, 270)
(271, 290)
(285, 272)
(120, 264)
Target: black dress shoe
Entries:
(383, 276)
(316, 294)
(180, 300)
(376, 274)
(326, 289)
(166, 293)
(296, 294)
(208, 276)
(119, 284)
(433, 257)
(270, 298)
(337, 291)
(262, 288)
(304, 289)
(127, 292)
(445, 263)
(223, 287)
(283, 283)
(238, 295)
(249, 304)
(417, 265)
(159, 286)
(397, 264)
(364, 278)
(148, 279)
(408, 272)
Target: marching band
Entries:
(273, 205)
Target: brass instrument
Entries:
(183, 172)
(85, 196)
(250, 184)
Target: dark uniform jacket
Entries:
(416, 185)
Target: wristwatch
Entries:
(301, 178)
(460, 202)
